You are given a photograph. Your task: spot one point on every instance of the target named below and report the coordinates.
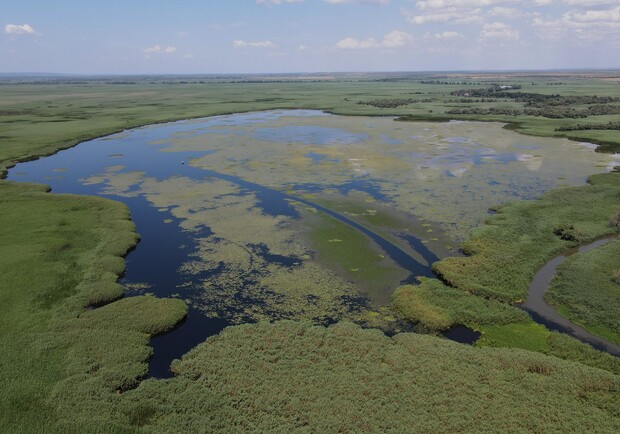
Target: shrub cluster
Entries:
(389, 103)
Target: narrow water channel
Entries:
(546, 315)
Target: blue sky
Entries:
(253, 36)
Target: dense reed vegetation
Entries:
(295, 377)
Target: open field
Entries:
(67, 367)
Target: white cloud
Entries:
(499, 31)
(590, 2)
(590, 25)
(16, 29)
(239, 43)
(445, 35)
(394, 39)
(352, 43)
(160, 49)
(504, 12)
(609, 15)
(303, 47)
(452, 15)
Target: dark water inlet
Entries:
(462, 334)
(544, 314)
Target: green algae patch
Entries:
(354, 255)
(387, 221)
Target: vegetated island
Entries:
(72, 368)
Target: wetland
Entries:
(299, 214)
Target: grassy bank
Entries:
(59, 255)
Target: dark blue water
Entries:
(462, 334)
(164, 247)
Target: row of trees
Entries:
(551, 112)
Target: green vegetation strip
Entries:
(438, 307)
(586, 290)
(59, 255)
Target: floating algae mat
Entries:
(299, 214)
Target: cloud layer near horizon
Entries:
(312, 35)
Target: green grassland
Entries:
(586, 290)
(68, 367)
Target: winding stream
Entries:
(546, 315)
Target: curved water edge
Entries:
(542, 313)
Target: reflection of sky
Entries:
(389, 140)
(309, 135)
(455, 160)
(317, 158)
(218, 124)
